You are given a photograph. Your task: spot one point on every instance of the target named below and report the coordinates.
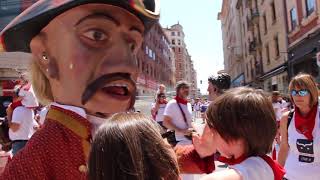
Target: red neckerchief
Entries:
(181, 101)
(232, 161)
(305, 125)
(277, 170)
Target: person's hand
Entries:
(187, 132)
(204, 144)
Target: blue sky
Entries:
(202, 30)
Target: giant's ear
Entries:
(41, 55)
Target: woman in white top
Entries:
(300, 131)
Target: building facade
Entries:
(184, 68)
(255, 43)
(232, 42)
(304, 35)
(155, 62)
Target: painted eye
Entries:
(95, 35)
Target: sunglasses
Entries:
(302, 92)
(149, 8)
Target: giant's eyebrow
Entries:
(96, 15)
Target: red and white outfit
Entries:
(29, 99)
(160, 112)
(303, 161)
(256, 167)
(173, 111)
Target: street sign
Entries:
(318, 59)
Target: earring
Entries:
(45, 57)
(71, 66)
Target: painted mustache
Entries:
(99, 83)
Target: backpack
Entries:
(290, 116)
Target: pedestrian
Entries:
(218, 84)
(21, 127)
(158, 108)
(130, 146)
(197, 108)
(178, 114)
(243, 128)
(178, 117)
(300, 131)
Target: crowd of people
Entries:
(87, 129)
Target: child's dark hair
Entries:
(221, 81)
(129, 146)
(244, 113)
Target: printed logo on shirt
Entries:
(305, 147)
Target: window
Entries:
(247, 70)
(173, 33)
(265, 24)
(310, 6)
(147, 50)
(150, 53)
(178, 33)
(293, 18)
(276, 41)
(274, 15)
(154, 56)
(179, 49)
(179, 42)
(267, 54)
(173, 42)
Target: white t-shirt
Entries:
(303, 161)
(197, 106)
(29, 99)
(254, 168)
(25, 117)
(159, 116)
(173, 111)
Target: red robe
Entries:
(57, 151)
(60, 149)
(191, 163)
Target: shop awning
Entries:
(274, 72)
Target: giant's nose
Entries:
(121, 57)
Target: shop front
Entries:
(238, 81)
(303, 57)
(276, 79)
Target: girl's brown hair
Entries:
(305, 81)
(244, 114)
(129, 146)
